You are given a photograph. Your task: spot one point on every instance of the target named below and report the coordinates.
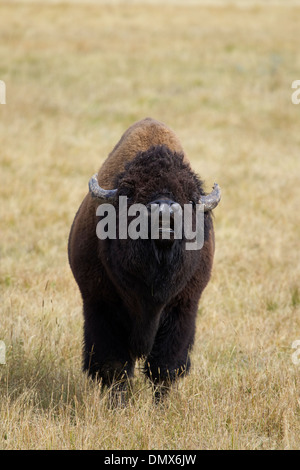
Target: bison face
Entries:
(160, 181)
(162, 185)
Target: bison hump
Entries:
(138, 138)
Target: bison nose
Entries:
(164, 206)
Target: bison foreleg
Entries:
(105, 353)
(169, 357)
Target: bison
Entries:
(140, 296)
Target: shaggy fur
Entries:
(140, 297)
(139, 137)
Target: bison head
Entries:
(160, 180)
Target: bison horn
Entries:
(106, 195)
(211, 200)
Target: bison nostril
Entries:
(165, 204)
(166, 211)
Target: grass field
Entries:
(77, 76)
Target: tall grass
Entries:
(77, 76)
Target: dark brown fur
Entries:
(140, 297)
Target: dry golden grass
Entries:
(77, 76)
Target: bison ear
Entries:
(211, 200)
(104, 195)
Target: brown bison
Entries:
(140, 296)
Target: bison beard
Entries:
(140, 297)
